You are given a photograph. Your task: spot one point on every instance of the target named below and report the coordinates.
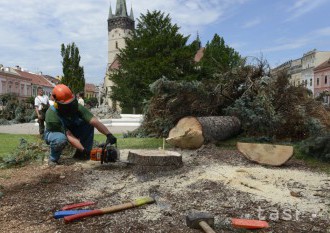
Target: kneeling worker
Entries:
(69, 121)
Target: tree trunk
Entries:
(266, 154)
(155, 160)
(193, 132)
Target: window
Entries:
(22, 89)
(317, 81)
(116, 44)
(326, 79)
(310, 82)
(3, 83)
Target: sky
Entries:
(32, 31)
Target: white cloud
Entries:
(284, 44)
(32, 31)
(302, 7)
(251, 23)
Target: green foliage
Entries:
(73, 72)
(91, 102)
(317, 147)
(219, 58)
(24, 153)
(272, 108)
(173, 100)
(15, 111)
(156, 50)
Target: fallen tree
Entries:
(193, 132)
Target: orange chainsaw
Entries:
(106, 153)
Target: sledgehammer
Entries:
(200, 220)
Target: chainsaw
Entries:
(106, 153)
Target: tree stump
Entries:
(193, 132)
(266, 154)
(155, 160)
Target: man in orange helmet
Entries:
(69, 121)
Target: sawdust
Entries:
(274, 185)
(220, 182)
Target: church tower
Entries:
(120, 26)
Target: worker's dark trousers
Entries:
(41, 122)
(57, 141)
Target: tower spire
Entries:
(131, 14)
(110, 12)
(121, 9)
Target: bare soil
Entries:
(293, 198)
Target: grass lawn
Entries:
(9, 142)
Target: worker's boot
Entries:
(79, 155)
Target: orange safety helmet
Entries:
(62, 94)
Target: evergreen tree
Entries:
(73, 72)
(156, 50)
(218, 58)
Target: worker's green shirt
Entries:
(54, 124)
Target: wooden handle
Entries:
(206, 227)
(112, 209)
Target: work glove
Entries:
(111, 139)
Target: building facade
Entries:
(322, 81)
(12, 83)
(37, 80)
(120, 26)
(295, 72)
(311, 60)
(90, 91)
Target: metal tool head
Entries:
(194, 218)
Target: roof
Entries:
(35, 78)
(52, 79)
(199, 55)
(324, 65)
(12, 73)
(115, 64)
(89, 87)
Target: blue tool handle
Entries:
(64, 213)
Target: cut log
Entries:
(193, 132)
(266, 154)
(155, 159)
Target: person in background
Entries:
(51, 100)
(41, 104)
(68, 121)
(80, 96)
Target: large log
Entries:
(155, 160)
(193, 132)
(266, 154)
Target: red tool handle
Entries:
(82, 215)
(77, 205)
(249, 223)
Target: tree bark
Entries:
(266, 154)
(193, 132)
(153, 160)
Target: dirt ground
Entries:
(292, 198)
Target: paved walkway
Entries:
(32, 128)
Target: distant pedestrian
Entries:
(51, 100)
(41, 103)
(80, 96)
